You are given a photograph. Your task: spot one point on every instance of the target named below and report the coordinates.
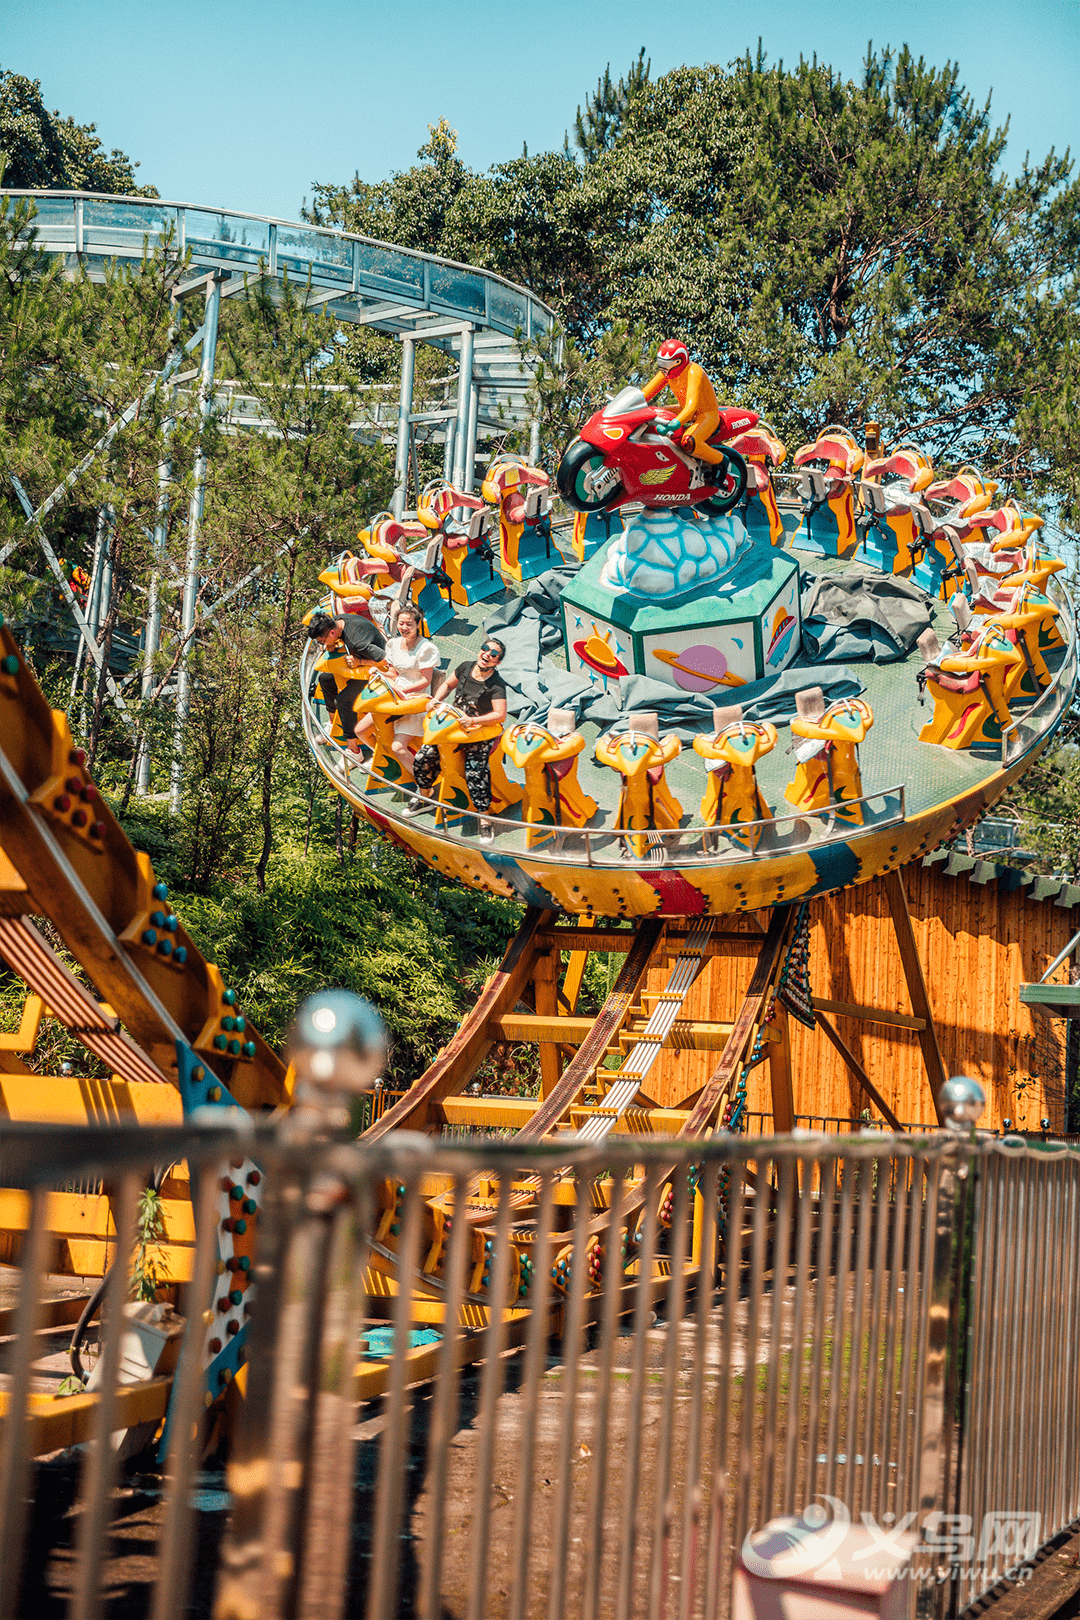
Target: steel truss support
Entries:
(404, 427)
(195, 514)
(152, 635)
(464, 408)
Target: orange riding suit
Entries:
(699, 414)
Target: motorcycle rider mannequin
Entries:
(699, 413)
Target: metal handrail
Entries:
(423, 260)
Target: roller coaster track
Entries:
(163, 1016)
(67, 858)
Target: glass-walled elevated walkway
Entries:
(475, 315)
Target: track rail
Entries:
(648, 937)
(458, 1060)
(68, 859)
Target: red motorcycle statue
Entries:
(618, 457)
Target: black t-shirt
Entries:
(362, 638)
(473, 696)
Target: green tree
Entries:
(882, 265)
(600, 125)
(43, 151)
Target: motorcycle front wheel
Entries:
(581, 459)
(733, 481)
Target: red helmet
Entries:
(672, 356)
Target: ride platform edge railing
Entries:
(882, 1325)
(603, 846)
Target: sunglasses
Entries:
(492, 652)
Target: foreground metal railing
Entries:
(881, 1324)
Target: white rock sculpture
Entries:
(665, 553)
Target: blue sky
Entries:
(244, 106)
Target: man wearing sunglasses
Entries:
(481, 697)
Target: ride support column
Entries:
(464, 406)
(195, 512)
(404, 427)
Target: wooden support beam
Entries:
(692, 1034)
(859, 1072)
(532, 1027)
(621, 939)
(916, 984)
(771, 949)
(869, 1015)
(503, 1112)
(546, 1001)
(587, 939)
(575, 970)
(51, 1313)
(459, 1059)
(783, 1097)
(606, 1026)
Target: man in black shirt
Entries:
(362, 644)
(481, 698)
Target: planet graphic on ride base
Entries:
(596, 653)
(698, 668)
(783, 629)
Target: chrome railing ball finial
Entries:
(962, 1101)
(337, 1047)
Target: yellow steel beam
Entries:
(69, 1100)
(81, 872)
(56, 1424)
(89, 1215)
(24, 1039)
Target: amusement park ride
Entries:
(645, 803)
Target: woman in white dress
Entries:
(413, 659)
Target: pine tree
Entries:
(599, 127)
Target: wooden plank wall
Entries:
(978, 943)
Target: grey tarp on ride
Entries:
(862, 613)
(688, 714)
(530, 626)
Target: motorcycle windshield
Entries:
(625, 401)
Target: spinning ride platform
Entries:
(915, 795)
